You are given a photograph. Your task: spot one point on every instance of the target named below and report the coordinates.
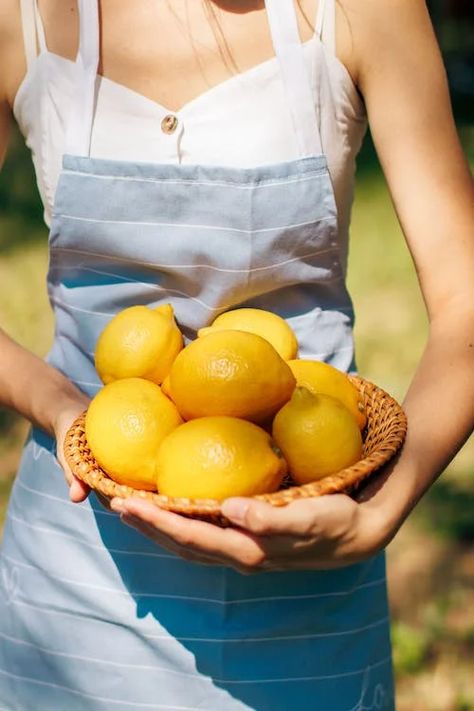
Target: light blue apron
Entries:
(95, 617)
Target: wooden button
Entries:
(169, 124)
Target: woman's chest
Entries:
(172, 52)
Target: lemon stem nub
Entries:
(165, 309)
(302, 394)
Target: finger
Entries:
(78, 490)
(310, 517)
(204, 537)
(164, 541)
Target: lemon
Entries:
(125, 425)
(217, 457)
(323, 378)
(317, 435)
(230, 373)
(263, 323)
(138, 342)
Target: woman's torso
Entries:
(174, 634)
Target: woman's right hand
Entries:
(78, 490)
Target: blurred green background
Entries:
(431, 562)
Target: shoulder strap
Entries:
(33, 30)
(295, 75)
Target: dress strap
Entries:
(33, 30)
(79, 130)
(325, 25)
(296, 79)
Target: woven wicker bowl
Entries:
(383, 436)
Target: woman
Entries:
(209, 156)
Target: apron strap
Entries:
(296, 80)
(79, 130)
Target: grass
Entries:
(431, 564)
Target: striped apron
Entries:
(93, 616)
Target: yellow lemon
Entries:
(125, 425)
(230, 373)
(138, 342)
(317, 435)
(263, 323)
(323, 378)
(217, 457)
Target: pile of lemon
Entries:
(230, 414)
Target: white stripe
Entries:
(274, 182)
(59, 302)
(101, 548)
(75, 343)
(188, 226)
(171, 597)
(82, 506)
(156, 287)
(166, 290)
(207, 600)
(247, 270)
(134, 704)
(85, 382)
(150, 667)
(168, 638)
(383, 661)
(96, 660)
(162, 289)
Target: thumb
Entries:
(257, 517)
(78, 490)
(301, 517)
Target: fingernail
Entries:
(117, 505)
(235, 509)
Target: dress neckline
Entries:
(203, 97)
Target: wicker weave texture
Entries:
(383, 436)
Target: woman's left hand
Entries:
(314, 533)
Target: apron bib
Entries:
(93, 616)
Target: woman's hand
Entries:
(78, 490)
(315, 533)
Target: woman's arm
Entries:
(27, 384)
(406, 93)
(397, 63)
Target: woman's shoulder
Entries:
(60, 20)
(369, 31)
(12, 55)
